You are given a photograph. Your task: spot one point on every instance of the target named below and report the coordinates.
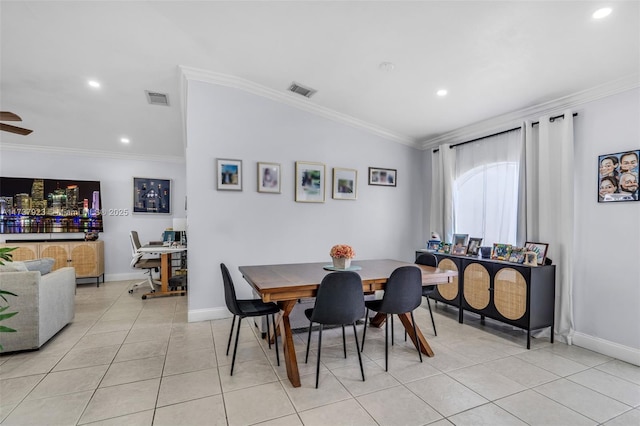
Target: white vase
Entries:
(341, 262)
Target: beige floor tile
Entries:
(486, 382)
(535, 409)
(631, 417)
(12, 391)
(133, 371)
(190, 342)
(446, 395)
(58, 410)
(556, 364)
(375, 379)
(121, 400)
(142, 418)
(520, 371)
(583, 400)
(156, 332)
(306, 396)
(247, 351)
(20, 366)
(139, 350)
(184, 362)
(204, 411)
(347, 412)
(69, 381)
(188, 386)
(398, 406)
(5, 410)
(578, 354)
(78, 358)
(612, 386)
(101, 339)
(409, 368)
(256, 404)
(247, 374)
(621, 369)
(290, 420)
(486, 415)
(105, 326)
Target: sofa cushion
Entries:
(44, 265)
(13, 267)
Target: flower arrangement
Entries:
(342, 251)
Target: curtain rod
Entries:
(551, 119)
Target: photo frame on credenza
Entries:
(540, 249)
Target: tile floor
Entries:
(125, 361)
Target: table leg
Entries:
(165, 274)
(288, 348)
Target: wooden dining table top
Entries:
(296, 280)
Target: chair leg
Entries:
(235, 346)
(318, 361)
(268, 332)
(392, 327)
(275, 338)
(415, 333)
(431, 313)
(231, 334)
(386, 342)
(344, 342)
(364, 331)
(306, 358)
(355, 336)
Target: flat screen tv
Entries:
(49, 206)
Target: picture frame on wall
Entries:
(382, 177)
(229, 174)
(618, 175)
(345, 184)
(540, 249)
(269, 177)
(310, 182)
(151, 195)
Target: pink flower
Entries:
(342, 251)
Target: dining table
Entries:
(286, 283)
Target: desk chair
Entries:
(339, 300)
(246, 308)
(402, 294)
(138, 262)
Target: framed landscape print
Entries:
(310, 177)
(229, 174)
(382, 177)
(269, 178)
(151, 195)
(618, 176)
(540, 249)
(345, 184)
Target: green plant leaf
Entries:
(5, 316)
(4, 329)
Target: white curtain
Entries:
(442, 170)
(550, 206)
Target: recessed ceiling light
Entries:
(124, 140)
(601, 13)
(386, 66)
(94, 84)
(441, 92)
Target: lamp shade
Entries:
(179, 224)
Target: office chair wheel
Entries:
(131, 291)
(144, 297)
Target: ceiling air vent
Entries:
(156, 98)
(302, 90)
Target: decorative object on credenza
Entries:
(91, 236)
(382, 177)
(618, 176)
(444, 248)
(501, 251)
(485, 252)
(345, 184)
(269, 178)
(517, 254)
(310, 182)
(341, 255)
(229, 174)
(151, 195)
(540, 249)
(459, 245)
(474, 246)
(433, 245)
(530, 258)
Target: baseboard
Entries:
(125, 276)
(605, 347)
(196, 315)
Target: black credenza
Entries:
(515, 294)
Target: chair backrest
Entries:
(403, 291)
(135, 240)
(229, 291)
(135, 256)
(340, 299)
(427, 259)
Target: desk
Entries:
(165, 253)
(285, 284)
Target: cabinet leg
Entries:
(529, 339)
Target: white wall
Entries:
(607, 275)
(116, 180)
(243, 228)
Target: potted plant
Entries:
(6, 256)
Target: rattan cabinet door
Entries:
(84, 258)
(59, 252)
(476, 286)
(448, 291)
(23, 251)
(510, 293)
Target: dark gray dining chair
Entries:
(402, 294)
(428, 259)
(246, 308)
(339, 301)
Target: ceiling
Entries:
(492, 57)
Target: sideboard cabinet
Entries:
(519, 295)
(87, 257)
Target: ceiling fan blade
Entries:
(9, 116)
(14, 129)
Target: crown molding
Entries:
(515, 118)
(90, 153)
(293, 100)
